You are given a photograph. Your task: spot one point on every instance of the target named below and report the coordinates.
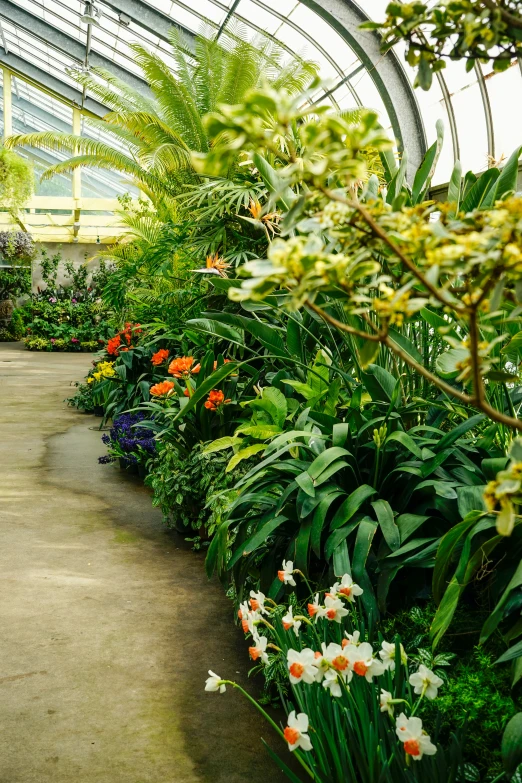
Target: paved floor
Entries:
(107, 621)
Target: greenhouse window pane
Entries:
(507, 114)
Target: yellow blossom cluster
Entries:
(101, 371)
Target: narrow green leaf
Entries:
(351, 505)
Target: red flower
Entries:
(113, 345)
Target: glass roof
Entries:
(51, 37)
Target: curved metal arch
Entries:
(386, 72)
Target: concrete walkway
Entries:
(107, 621)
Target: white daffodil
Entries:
(331, 683)
(315, 609)
(286, 573)
(346, 587)
(385, 702)
(214, 683)
(416, 741)
(334, 609)
(387, 655)
(362, 661)
(322, 663)
(257, 602)
(425, 682)
(296, 732)
(337, 659)
(259, 649)
(302, 666)
(351, 638)
(289, 622)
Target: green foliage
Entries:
(191, 491)
(16, 180)
(83, 399)
(436, 32)
(70, 316)
(476, 693)
(159, 133)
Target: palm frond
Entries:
(177, 104)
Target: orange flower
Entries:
(186, 392)
(215, 400)
(113, 345)
(182, 367)
(215, 263)
(160, 356)
(162, 389)
(291, 735)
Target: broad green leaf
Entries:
(387, 524)
(208, 326)
(511, 747)
(301, 388)
(405, 440)
(363, 543)
(220, 444)
(448, 364)
(409, 547)
(478, 191)
(305, 482)
(454, 186)
(470, 499)
(341, 560)
(406, 345)
(351, 505)
(245, 453)
(368, 353)
(468, 566)
(336, 538)
(340, 434)
(438, 322)
(408, 524)
(330, 471)
(256, 540)
(457, 432)
(511, 654)
(294, 341)
(319, 519)
(507, 182)
(259, 431)
(379, 382)
(497, 614)
(325, 459)
(397, 181)
(427, 168)
(284, 194)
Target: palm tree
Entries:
(150, 139)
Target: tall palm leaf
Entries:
(150, 138)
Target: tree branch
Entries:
(480, 404)
(379, 232)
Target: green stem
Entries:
(271, 722)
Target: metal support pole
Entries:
(77, 176)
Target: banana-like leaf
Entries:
(245, 453)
